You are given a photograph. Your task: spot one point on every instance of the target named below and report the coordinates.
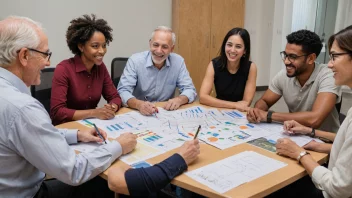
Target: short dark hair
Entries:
(83, 28)
(243, 33)
(344, 39)
(309, 41)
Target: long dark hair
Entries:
(344, 40)
(243, 33)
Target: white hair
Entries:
(165, 29)
(15, 33)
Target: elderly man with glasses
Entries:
(30, 146)
(307, 87)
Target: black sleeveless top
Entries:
(230, 87)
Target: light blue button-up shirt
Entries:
(31, 146)
(142, 79)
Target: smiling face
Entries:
(36, 62)
(341, 65)
(93, 50)
(298, 63)
(161, 46)
(234, 48)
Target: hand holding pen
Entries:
(99, 134)
(147, 108)
(91, 135)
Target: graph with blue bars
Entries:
(234, 114)
(119, 126)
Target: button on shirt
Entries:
(300, 98)
(31, 146)
(73, 88)
(142, 79)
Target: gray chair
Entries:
(42, 92)
(117, 66)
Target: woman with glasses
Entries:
(232, 73)
(79, 82)
(336, 180)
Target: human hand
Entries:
(313, 145)
(173, 104)
(128, 142)
(113, 107)
(90, 135)
(189, 151)
(293, 127)
(103, 113)
(286, 147)
(242, 106)
(146, 108)
(255, 115)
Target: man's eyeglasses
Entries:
(47, 54)
(291, 57)
(334, 55)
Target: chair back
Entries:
(42, 92)
(117, 66)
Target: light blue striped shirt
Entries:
(142, 79)
(31, 146)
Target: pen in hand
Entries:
(99, 134)
(195, 136)
(156, 109)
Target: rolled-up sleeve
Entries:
(337, 182)
(185, 84)
(46, 148)
(128, 82)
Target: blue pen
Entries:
(96, 128)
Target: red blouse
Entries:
(73, 88)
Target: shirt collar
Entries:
(312, 77)
(14, 80)
(80, 65)
(150, 63)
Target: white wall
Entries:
(132, 21)
(268, 23)
(259, 23)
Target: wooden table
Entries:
(208, 154)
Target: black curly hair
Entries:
(82, 29)
(309, 41)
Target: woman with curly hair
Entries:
(79, 82)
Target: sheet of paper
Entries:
(231, 134)
(140, 153)
(233, 171)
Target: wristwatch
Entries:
(312, 134)
(301, 154)
(268, 116)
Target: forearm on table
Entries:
(144, 181)
(134, 103)
(326, 135)
(261, 104)
(309, 119)
(83, 114)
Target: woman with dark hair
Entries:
(232, 73)
(336, 180)
(79, 82)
